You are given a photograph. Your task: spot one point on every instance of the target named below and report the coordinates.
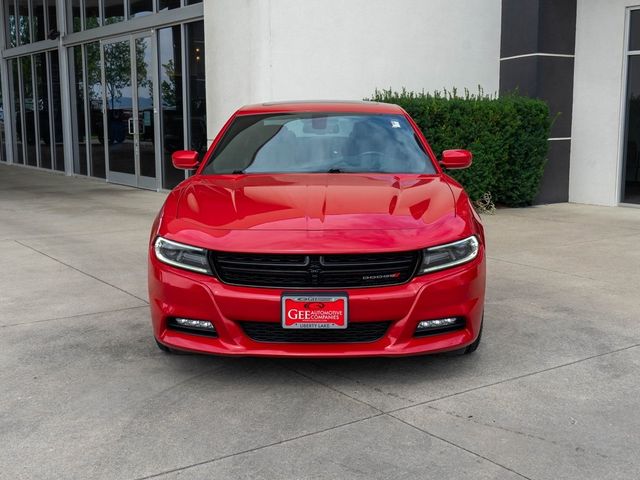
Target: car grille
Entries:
(354, 333)
(324, 271)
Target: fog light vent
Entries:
(189, 325)
(440, 325)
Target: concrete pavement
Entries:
(551, 393)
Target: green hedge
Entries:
(507, 136)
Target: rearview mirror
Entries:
(185, 159)
(456, 159)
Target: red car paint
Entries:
(318, 214)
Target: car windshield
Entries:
(319, 143)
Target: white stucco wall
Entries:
(265, 50)
(596, 148)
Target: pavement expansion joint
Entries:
(81, 271)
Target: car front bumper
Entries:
(456, 292)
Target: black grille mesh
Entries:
(304, 271)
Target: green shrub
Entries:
(507, 136)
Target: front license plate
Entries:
(314, 311)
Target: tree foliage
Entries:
(168, 86)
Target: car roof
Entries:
(329, 106)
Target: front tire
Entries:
(474, 346)
(469, 348)
(163, 347)
(171, 351)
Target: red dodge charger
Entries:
(318, 229)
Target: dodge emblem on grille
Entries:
(315, 269)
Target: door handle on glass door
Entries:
(131, 132)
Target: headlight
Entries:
(182, 256)
(449, 255)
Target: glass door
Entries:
(630, 191)
(631, 164)
(129, 110)
(145, 112)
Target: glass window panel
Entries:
(42, 92)
(24, 35)
(113, 11)
(56, 107)
(139, 8)
(634, 30)
(75, 12)
(168, 4)
(96, 123)
(170, 61)
(30, 111)
(12, 24)
(3, 156)
(53, 18)
(17, 111)
(38, 22)
(78, 96)
(197, 87)
(92, 17)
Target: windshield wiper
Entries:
(334, 170)
(237, 172)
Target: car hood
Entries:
(315, 202)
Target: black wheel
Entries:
(163, 347)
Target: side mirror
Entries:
(185, 159)
(456, 159)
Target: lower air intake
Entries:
(354, 333)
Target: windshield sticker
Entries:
(395, 124)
